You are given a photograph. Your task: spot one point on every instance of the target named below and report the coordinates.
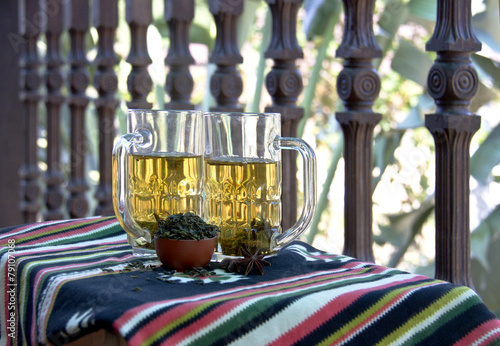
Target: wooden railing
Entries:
(452, 83)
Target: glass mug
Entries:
(242, 187)
(157, 171)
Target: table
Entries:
(65, 279)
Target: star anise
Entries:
(247, 263)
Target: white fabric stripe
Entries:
(42, 225)
(224, 319)
(79, 244)
(40, 248)
(146, 313)
(426, 323)
(66, 247)
(305, 308)
(221, 321)
(217, 323)
(486, 336)
(81, 255)
(27, 269)
(303, 251)
(386, 310)
(55, 282)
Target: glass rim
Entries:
(147, 110)
(244, 114)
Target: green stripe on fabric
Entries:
(439, 305)
(244, 316)
(372, 310)
(238, 320)
(25, 274)
(56, 291)
(108, 229)
(495, 343)
(245, 294)
(184, 318)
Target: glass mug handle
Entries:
(142, 139)
(309, 206)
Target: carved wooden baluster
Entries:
(54, 81)
(284, 84)
(139, 16)
(106, 82)
(179, 83)
(30, 84)
(78, 204)
(452, 82)
(358, 85)
(226, 84)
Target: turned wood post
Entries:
(139, 16)
(30, 22)
(179, 82)
(54, 81)
(78, 204)
(358, 85)
(105, 13)
(12, 130)
(452, 82)
(284, 84)
(226, 84)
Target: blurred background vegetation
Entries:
(403, 173)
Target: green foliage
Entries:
(485, 248)
(486, 157)
(410, 62)
(403, 228)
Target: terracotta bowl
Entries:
(184, 254)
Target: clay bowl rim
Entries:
(163, 257)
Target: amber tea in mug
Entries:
(163, 185)
(157, 171)
(245, 194)
(242, 184)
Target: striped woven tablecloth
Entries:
(62, 280)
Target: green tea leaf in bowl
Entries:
(185, 226)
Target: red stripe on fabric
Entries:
(334, 307)
(120, 322)
(352, 265)
(386, 307)
(23, 255)
(48, 271)
(41, 227)
(153, 326)
(65, 234)
(296, 279)
(44, 224)
(214, 315)
(45, 250)
(207, 319)
(176, 312)
(480, 332)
